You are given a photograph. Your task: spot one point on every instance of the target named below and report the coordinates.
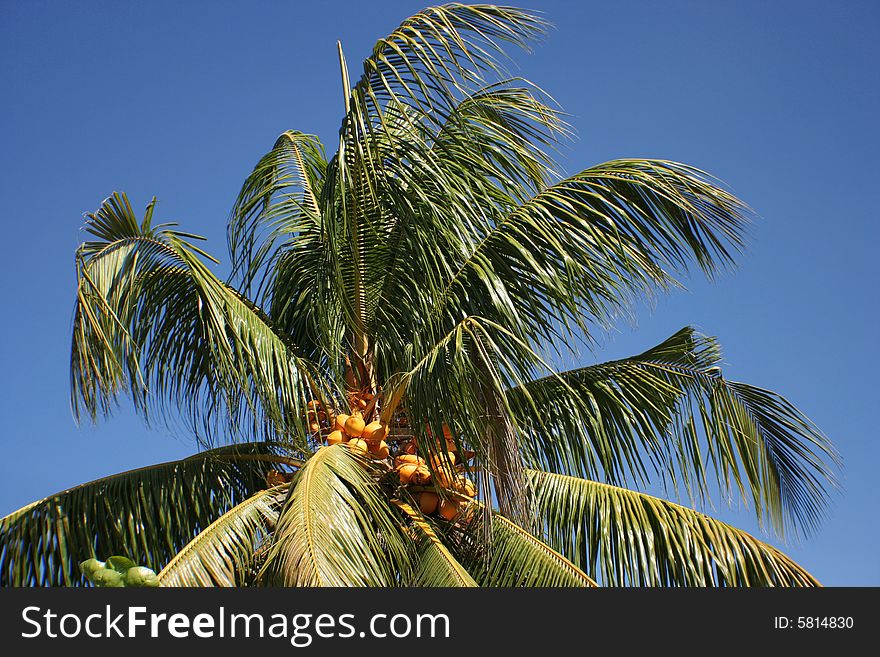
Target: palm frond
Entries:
(278, 206)
(626, 538)
(515, 557)
(153, 321)
(437, 567)
(223, 554)
(337, 527)
(473, 365)
(671, 410)
(148, 514)
(576, 253)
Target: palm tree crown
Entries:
(415, 282)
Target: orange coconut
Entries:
(448, 509)
(335, 437)
(358, 446)
(375, 432)
(428, 502)
(379, 450)
(315, 427)
(406, 471)
(464, 486)
(339, 424)
(421, 476)
(443, 476)
(409, 459)
(354, 425)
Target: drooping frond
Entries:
(578, 251)
(626, 538)
(223, 553)
(671, 410)
(436, 565)
(153, 321)
(472, 366)
(337, 527)
(148, 514)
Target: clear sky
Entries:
(179, 99)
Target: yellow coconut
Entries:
(335, 437)
(428, 502)
(379, 450)
(358, 446)
(354, 425)
(341, 419)
(448, 509)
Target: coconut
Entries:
(440, 460)
(375, 432)
(443, 476)
(464, 486)
(107, 578)
(428, 502)
(406, 472)
(335, 437)
(90, 566)
(315, 427)
(141, 576)
(341, 419)
(421, 476)
(409, 458)
(448, 509)
(358, 446)
(313, 404)
(379, 450)
(354, 425)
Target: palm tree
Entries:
(427, 275)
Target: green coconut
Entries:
(106, 578)
(90, 566)
(141, 576)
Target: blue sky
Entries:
(178, 100)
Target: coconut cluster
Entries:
(439, 487)
(117, 571)
(447, 488)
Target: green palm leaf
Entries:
(577, 252)
(148, 514)
(670, 409)
(337, 527)
(629, 538)
(516, 557)
(437, 567)
(152, 321)
(223, 553)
